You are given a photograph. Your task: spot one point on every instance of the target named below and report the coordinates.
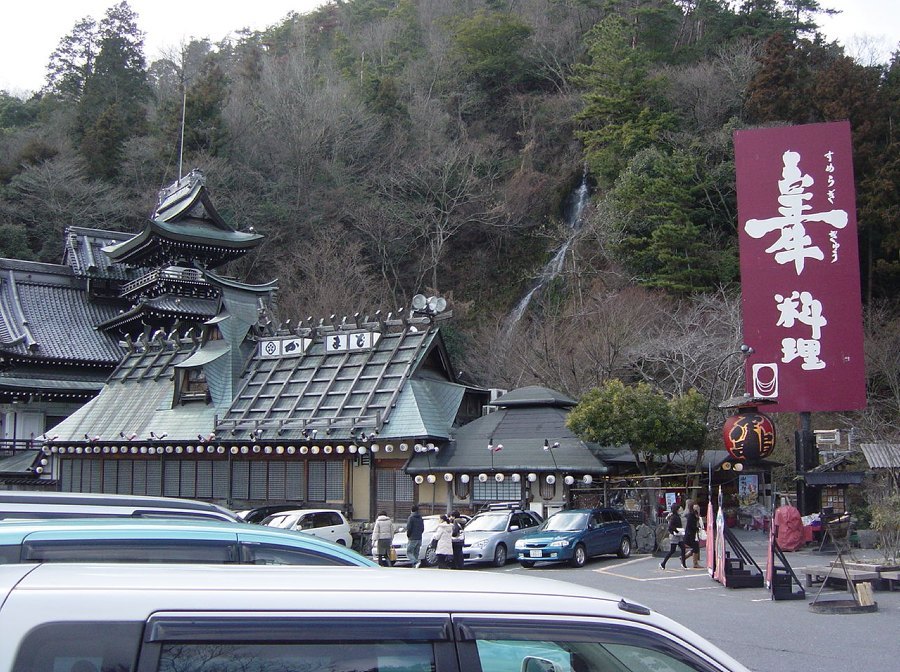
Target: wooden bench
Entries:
(891, 578)
(814, 574)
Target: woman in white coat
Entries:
(443, 537)
(382, 534)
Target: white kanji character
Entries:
(801, 307)
(807, 349)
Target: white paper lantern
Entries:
(499, 477)
(375, 447)
(314, 450)
(352, 448)
(569, 480)
(464, 478)
(551, 479)
(532, 478)
(304, 450)
(482, 477)
(448, 477)
(588, 479)
(516, 478)
(431, 478)
(291, 450)
(339, 450)
(362, 450)
(389, 448)
(418, 479)
(403, 447)
(327, 450)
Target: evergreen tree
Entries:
(72, 62)
(111, 108)
(622, 112)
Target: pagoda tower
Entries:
(184, 238)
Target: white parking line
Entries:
(669, 576)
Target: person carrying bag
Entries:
(676, 536)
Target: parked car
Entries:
(158, 540)
(428, 555)
(574, 536)
(491, 535)
(26, 504)
(163, 618)
(325, 523)
(260, 513)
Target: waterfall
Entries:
(572, 212)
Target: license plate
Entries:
(535, 554)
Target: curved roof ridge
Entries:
(534, 395)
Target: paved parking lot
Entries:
(763, 634)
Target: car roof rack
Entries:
(503, 506)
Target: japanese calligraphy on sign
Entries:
(799, 267)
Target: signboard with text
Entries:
(800, 267)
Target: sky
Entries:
(31, 29)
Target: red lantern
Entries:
(749, 437)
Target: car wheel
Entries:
(500, 555)
(527, 564)
(579, 556)
(624, 548)
(430, 559)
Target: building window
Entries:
(193, 386)
(492, 491)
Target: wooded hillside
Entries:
(389, 147)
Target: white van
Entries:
(190, 618)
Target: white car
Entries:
(190, 618)
(325, 523)
(426, 554)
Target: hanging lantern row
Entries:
(550, 479)
(221, 450)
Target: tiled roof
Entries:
(84, 253)
(46, 314)
(342, 393)
(163, 306)
(521, 431)
(138, 399)
(533, 395)
(882, 455)
(426, 409)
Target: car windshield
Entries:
(277, 520)
(565, 522)
(488, 523)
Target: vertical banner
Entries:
(800, 284)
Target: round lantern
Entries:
(419, 479)
(499, 477)
(464, 478)
(588, 479)
(569, 480)
(448, 477)
(482, 478)
(551, 479)
(516, 478)
(749, 437)
(532, 478)
(431, 478)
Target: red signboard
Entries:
(800, 267)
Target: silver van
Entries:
(191, 618)
(26, 504)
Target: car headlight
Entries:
(479, 544)
(559, 542)
(520, 544)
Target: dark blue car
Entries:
(575, 535)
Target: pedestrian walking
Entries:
(676, 536)
(458, 538)
(443, 542)
(415, 526)
(382, 535)
(691, 532)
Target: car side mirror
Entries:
(513, 528)
(533, 664)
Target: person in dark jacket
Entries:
(676, 536)
(415, 526)
(459, 540)
(691, 530)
